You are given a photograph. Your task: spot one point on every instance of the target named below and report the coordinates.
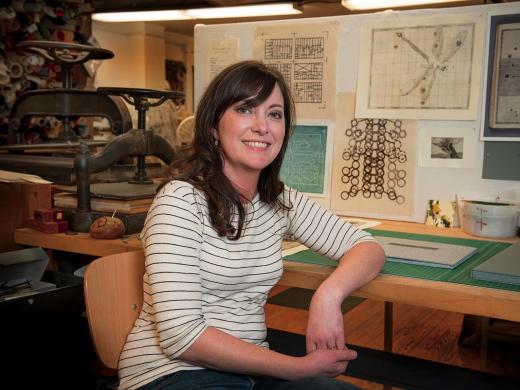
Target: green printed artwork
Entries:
(303, 167)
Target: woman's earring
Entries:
(217, 142)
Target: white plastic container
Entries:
(488, 219)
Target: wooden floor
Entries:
(419, 332)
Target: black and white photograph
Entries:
(447, 147)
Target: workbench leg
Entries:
(484, 331)
(388, 331)
(389, 326)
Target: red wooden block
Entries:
(48, 227)
(63, 226)
(44, 215)
(49, 215)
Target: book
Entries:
(433, 254)
(119, 190)
(133, 206)
(504, 267)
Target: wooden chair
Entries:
(113, 287)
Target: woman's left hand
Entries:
(325, 325)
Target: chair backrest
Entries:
(113, 287)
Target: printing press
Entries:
(76, 162)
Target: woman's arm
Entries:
(357, 267)
(220, 351)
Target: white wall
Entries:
(431, 183)
(140, 51)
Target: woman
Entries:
(212, 241)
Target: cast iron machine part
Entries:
(139, 142)
(66, 102)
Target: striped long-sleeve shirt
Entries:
(195, 279)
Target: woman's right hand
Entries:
(327, 362)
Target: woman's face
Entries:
(251, 137)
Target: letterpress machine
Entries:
(65, 103)
(139, 142)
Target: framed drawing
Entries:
(501, 112)
(308, 159)
(447, 147)
(421, 68)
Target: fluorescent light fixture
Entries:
(139, 16)
(357, 5)
(243, 11)
(200, 13)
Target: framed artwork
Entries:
(501, 111)
(450, 147)
(421, 68)
(308, 159)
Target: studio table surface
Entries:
(460, 274)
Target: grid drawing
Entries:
(309, 48)
(302, 60)
(421, 67)
(307, 92)
(285, 69)
(308, 71)
(278, 49)
(303, 166)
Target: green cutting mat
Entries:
(460, 274)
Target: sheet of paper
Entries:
(421, 68)
(306, 56)
(431, 254)
(222, 52)
(373, 167)
(9, 177)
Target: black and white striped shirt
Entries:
(195, 279)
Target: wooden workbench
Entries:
(389, 288)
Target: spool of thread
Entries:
(15, 70)
(31, 28)
(4, 79)
(4, 76)
(8, 94)
(39, 81)
(63, 35)
(54, 124)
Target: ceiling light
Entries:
(139, 16)
(356, 5)
(243, 11)
(200, 13)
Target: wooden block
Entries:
(63, 226)
(44, 215)
(48, 227)
(49, 215)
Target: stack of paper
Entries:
(432, 254)
(504, 267)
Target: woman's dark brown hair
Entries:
(247, 80)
